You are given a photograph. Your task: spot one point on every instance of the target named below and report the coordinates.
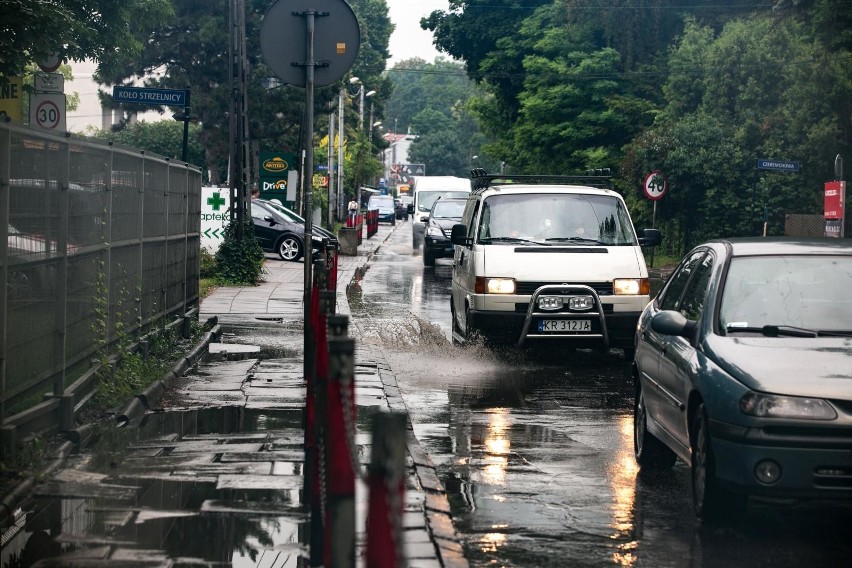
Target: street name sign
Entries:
(777, 165)
(146, 96)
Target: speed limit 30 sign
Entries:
(47, 111)
(655, 186)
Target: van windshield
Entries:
(426, 199)
(384, 202)
(556, 219)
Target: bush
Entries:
(207, 264)
(239, 262)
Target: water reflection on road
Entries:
(536, 452)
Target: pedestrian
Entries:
(353, 211)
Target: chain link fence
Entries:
(102, 243)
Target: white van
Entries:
(427, 189)
(543, 258)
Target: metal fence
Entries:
(102, 243)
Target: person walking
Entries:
(353, 211)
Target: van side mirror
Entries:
(650, 238)
(458, 235)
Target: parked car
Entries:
(444, 214)
(280, 233)
(743, 370)
(386, 207)
(401, 210)
(295, 217)
(548, 259)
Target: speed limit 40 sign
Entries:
(47, 111)
(655, 186)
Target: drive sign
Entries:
(655, 186)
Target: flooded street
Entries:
(536, 452)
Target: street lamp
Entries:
(361, 95)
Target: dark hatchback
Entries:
(282, 231)
(743, 370)
(444, 214)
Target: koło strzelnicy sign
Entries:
(146, 96)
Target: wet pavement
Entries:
(536, 451)
(213, 474)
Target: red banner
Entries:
(835, 199)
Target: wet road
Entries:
(537, 455)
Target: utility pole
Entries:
(340, 138)
(238, 114)
(331, 198)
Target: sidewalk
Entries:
(211, 473)
(430, 538)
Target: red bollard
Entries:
(385, 548)
(315, 415)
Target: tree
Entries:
(33, 30)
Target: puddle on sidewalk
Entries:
(195, 486)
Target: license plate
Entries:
(564, 325)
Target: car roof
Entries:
(517, 188)
(751, 246)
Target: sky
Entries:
(408, 40)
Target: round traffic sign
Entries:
(283, 40)
(655, 185)
(50, 63)
(47, 114)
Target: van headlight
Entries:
(776, 406)
(484, 285)
(631, 287)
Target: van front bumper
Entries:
(506, 327)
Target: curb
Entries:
(81, 436)
(439, 521)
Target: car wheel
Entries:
(650, 453)
(428, 257)
(711, 501)
(289, 248)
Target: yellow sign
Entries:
(276, 164)
(12, 98)
(404, 188)
(320, 180)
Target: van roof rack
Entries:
(599, 178)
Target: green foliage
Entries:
(239, 262)
(163, 137)
(75, 29)
(433, 101)
(207, 264)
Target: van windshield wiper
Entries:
(509, 240)
(575, 240)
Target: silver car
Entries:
(743, 370)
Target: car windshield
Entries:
(289, 215)
(448, 209)
(427, 198)
(809, 292)
(380, 202)
(556, 219)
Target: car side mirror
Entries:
(269, 219)
(650, 238)
(458, 235)
(425, 218)
(670, 322)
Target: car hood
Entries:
(793, 366)
(446, 224)
(563, 263)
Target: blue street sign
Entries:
(145, 96)
(777, 165)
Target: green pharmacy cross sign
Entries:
(216, 201)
